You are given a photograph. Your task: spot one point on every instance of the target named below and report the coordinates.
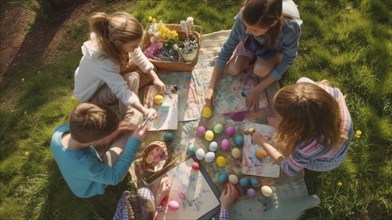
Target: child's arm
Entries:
(156, 81)
(259, 139)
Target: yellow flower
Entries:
(154, 20)
(358, 133)
(27, 153)
(22, 79)
(149, 18)
(340, 184)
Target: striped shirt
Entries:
(312, 155)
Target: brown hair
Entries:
(307, 112)
(264, 13)
(140, 208)
(119, 27)
(90, 122)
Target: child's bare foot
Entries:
(163, 190)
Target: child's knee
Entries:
(233, 70)
(132, 79)
(261, 71)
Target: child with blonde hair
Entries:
(262, 36)
(112, 67)
(85, 172)
(315, 130)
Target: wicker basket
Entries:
(146, 164)
(175, 66)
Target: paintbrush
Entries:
(160, 172)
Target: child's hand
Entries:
(258, 138)
(159, 85)
(140, 132)
(227, 196)
(150, 113)
(163, 190)
(209, 97)
(252, 100)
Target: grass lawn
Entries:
(348, 42)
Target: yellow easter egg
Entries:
(158, 99)
(236, 153)
(221, 161)
(209, 135)
(207, 112)
(261, 153)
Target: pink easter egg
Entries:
(173, 205)
(225, 144)
(195, 165)
(230, 130)
(201, 131)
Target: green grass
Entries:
(348, 42)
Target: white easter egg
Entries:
(236, 153)
(213, 146)
(200, 154)
(266, 191)
(233, 179)
(210, 157)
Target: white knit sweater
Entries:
(95, 71)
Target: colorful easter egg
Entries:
(206, 112)
(173, 205)
(250, 192)
(191, 149)
(168, 136)
(236, 153)
(195, 165)
(266, 191)
(221, 161)
(200, 154)
(209, 135)
(225, 144)
(213, 146)
(230, 130)
(244, 181)
(254, 182)
(201, 131)
(261, 153)
(233, 179)
(223, 177)
(239, 140)
(218, 128)
(210, 157)
(158, 99)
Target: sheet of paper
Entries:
(191, 190)
(251, 165)
(167, 118)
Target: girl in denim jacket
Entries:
(262, 36)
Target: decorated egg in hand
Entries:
(158, 99)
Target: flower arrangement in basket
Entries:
(172, 46)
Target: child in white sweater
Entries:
(113, 67)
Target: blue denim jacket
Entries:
(288, 44)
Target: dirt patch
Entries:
(27, 40)
(15, 21)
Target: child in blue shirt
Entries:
(85, 172)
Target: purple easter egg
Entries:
(173, 205)
(201, 131)
(251, 192)
(230, 130)
(225, 144)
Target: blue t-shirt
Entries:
(84, 171)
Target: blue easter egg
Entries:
(191, 149)
(223, 177)
(244, 181)
(254, 182)
(168, 136)
(239, 140)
